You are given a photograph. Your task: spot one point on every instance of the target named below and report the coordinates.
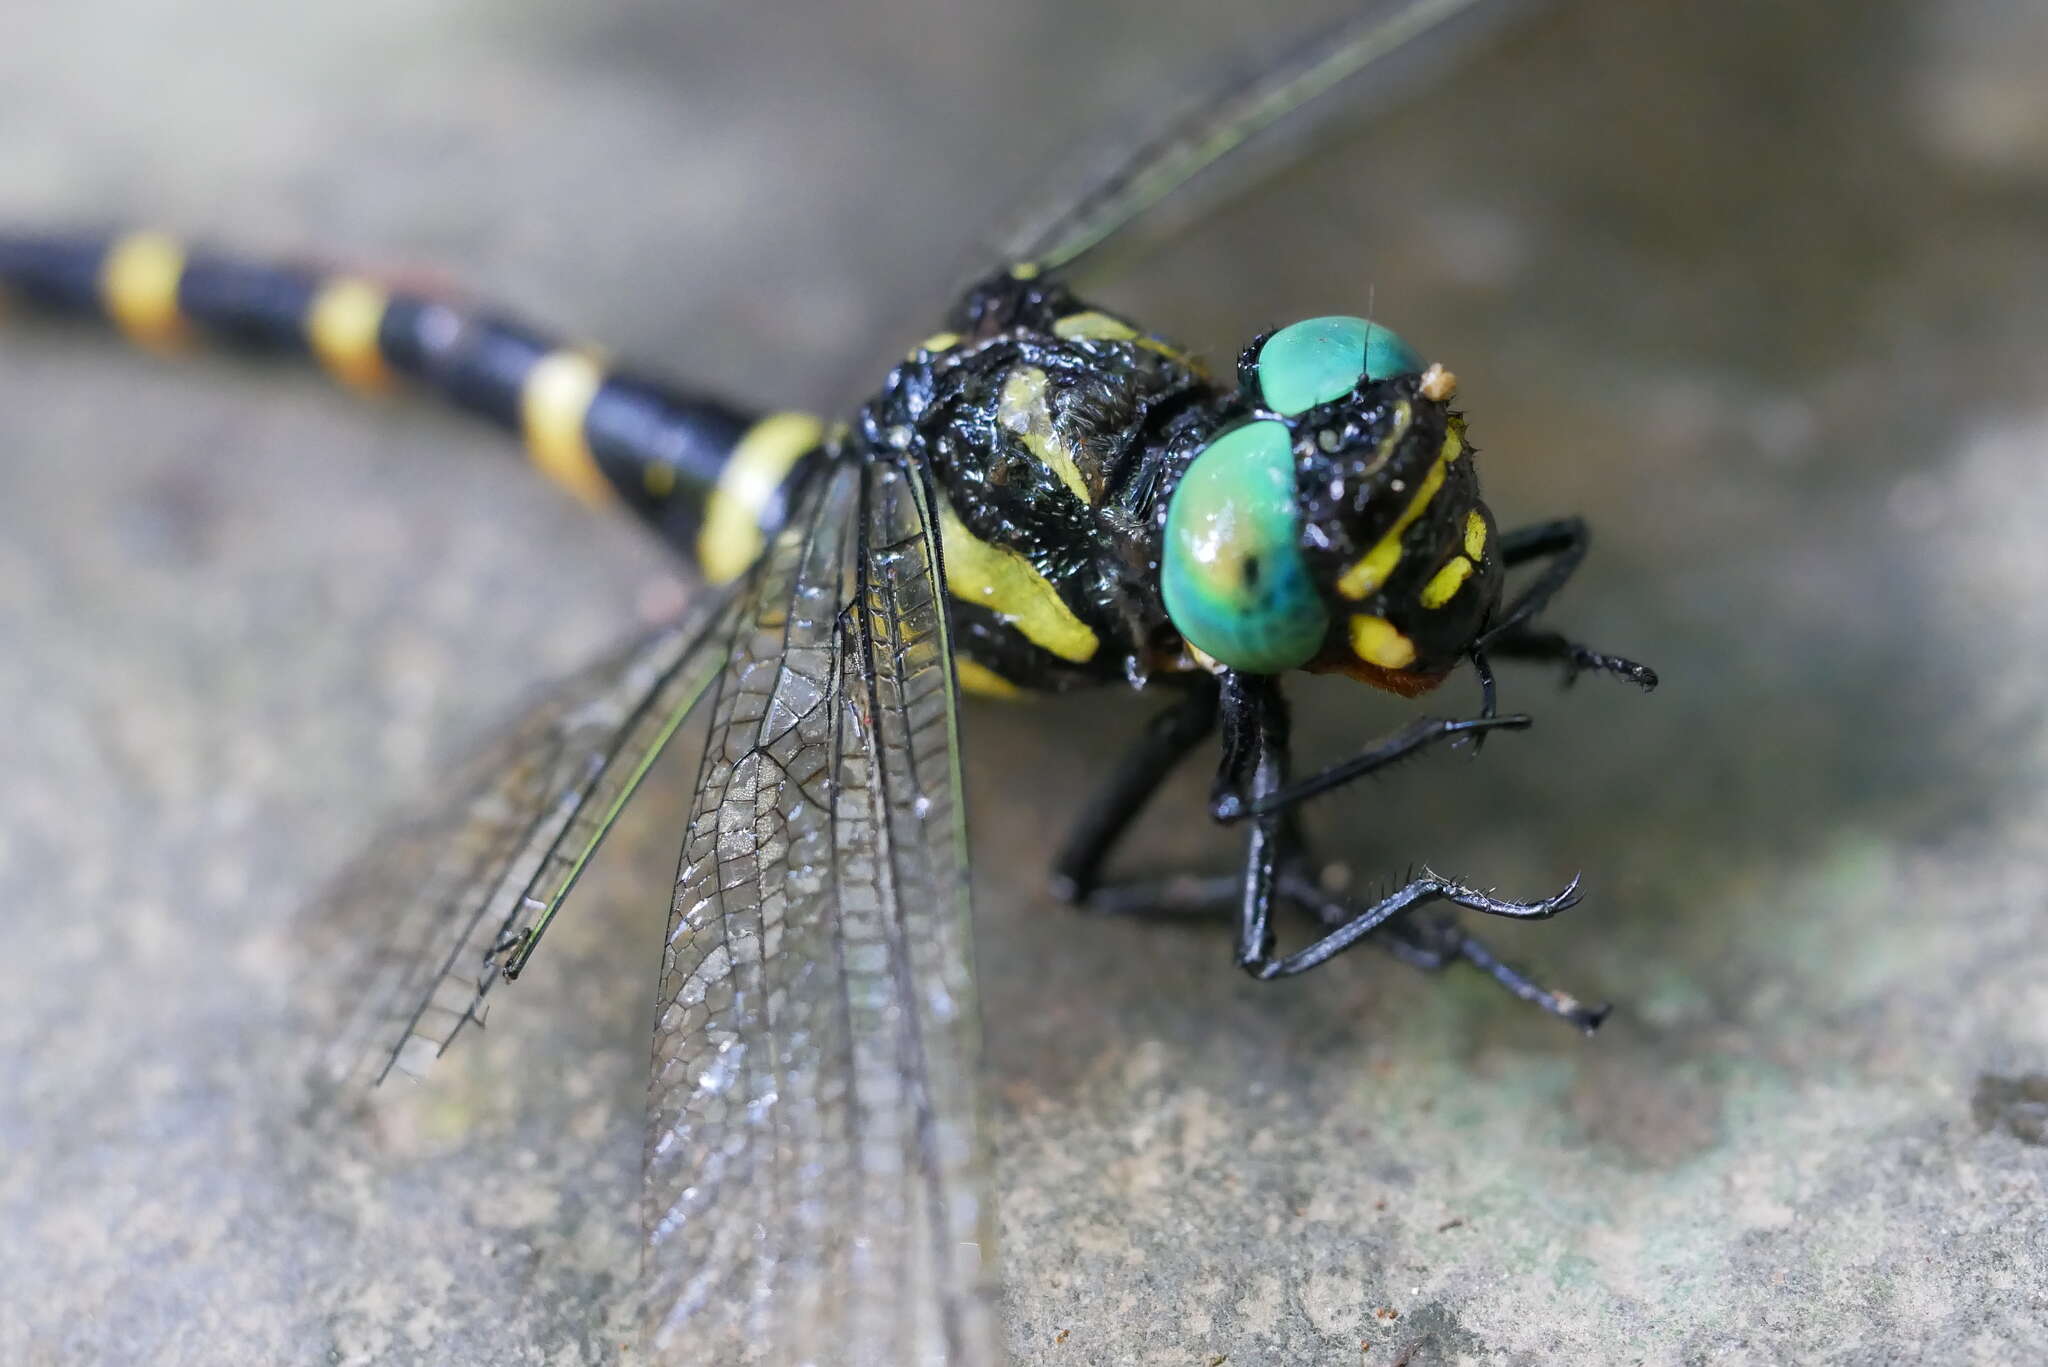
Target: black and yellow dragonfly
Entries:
(1041, 496)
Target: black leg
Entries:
(1520, 545)
(1255, 735)
(1427, 944)
(1167, 739)
(1563, 543)
(1550, 647)
(1233, 803)
(1435, 944)
(1077, 872)
(1354, 924)
(1488, 700)
(1255, 726)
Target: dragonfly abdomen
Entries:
(711, 479)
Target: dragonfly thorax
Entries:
(1051, 430)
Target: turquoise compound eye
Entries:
(1232, 573)
(1321, 359)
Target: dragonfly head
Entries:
(1338, 526)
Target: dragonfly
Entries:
(1042, 496)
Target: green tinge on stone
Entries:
(1231, 572)
(1320, 359)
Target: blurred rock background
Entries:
(1759, 288)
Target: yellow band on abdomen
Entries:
(552, 405)
(139, 289)
(341, 328)
(731, 538)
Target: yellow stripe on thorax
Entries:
(1094, 325)
(937, 342)
(552, 405)
(1025, 411)
(139, 289)
(341, 329)
(978, 679)
(1375, 565)
(730, 539)
(1006, 583)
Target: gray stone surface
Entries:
(1762, 288)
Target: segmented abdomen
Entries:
(713, 480)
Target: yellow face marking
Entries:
(552, 403)
(659, 479)
(1023, 410)
(1404, 413)
(1024, 270)
(1376, 641)
(1475, 535)
(1445, 583)
(1006, 583)
(980, 680)
(1375, 565)
(139, 288)
(341, 328)
(730, 539)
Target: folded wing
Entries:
(428, 918)
(816, 1189)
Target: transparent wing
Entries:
(433, 915)
(1380, 48)
(815, 1184)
